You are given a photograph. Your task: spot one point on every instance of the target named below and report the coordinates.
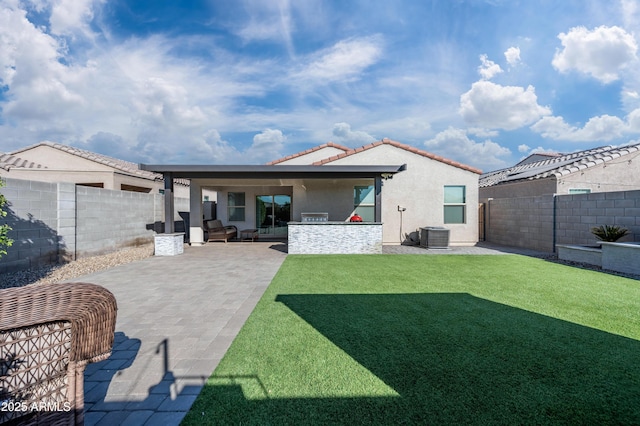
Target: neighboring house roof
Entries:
(539, 156)
(309, 151)
(126, 167)
(8, 161)
(409, 148)
(557, 166)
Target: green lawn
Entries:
(448, 339)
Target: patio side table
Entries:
(248, 234)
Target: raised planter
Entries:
(618, 257)
(580, 254)
(621, 257)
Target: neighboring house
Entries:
(338, 181)
(604, 169)
(52, 162)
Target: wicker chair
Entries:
(215, 231)
(48, 334)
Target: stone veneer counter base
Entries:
(335, 237)
(169, 244)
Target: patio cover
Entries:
(174, 171)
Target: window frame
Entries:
(360, 206)
(455, 204)
(576, 191)
(236, 207)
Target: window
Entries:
(235, 206)
(579, 191)
(454, 204)
(364, 202)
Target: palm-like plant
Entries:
(609, 233)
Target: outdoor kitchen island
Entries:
(335, 237)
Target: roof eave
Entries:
(272, 172)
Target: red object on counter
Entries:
(355, 218)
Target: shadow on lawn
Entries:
(455, 358)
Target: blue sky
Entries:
(484, 83)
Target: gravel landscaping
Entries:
(74, 269)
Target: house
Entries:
(53, 162)
(603, 169)
(396, 186)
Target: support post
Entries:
(196, 233)
(378, 200)
(169, 227)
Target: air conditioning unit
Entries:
(434, 237)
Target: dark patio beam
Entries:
(272, 172)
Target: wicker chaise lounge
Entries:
(217, 232)
(48, 334)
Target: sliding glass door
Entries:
(272, 214)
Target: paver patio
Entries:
(177, 316)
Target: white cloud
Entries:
(633, 121)
(494, 106)
(70, 17)
(630, 11)
(270, 21)
(454, 143)
(267, 145)
(343, 133)
(344, 61)
(512, 55)
(488, 69)
(601, 53)
(523, 148)
(482, 132)
(601, 128)
(39, 85)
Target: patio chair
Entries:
(217, 232)
(48, 334)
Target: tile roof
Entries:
(308, 151)
(409, 148)
(8, 161)
(557, 166)
(121, 165)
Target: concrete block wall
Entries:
(577, 214)
(108, 220)
(32, 213)
(56, 222)
(528, 222)
(521, 222)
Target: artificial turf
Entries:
(449, 339)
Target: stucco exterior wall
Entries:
(326, 196)
(616, 175)
(419, 189)
(250, 193)
(519, 189)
